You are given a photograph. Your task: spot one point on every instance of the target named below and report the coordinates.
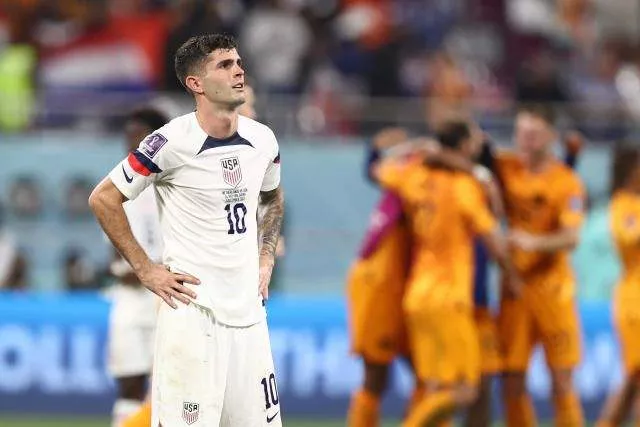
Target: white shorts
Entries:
(132, 322)
(209, 374)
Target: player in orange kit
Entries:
(544, 202)
(375, 287)
(445, 209)
(625, 230)
(377, 279)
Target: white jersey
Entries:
(207, 191)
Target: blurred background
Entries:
(327, 75)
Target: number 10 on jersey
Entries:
(236, 214)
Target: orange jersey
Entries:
(445, 210)
(625, 229)
(541, 203)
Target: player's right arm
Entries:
(484, 224)
(126, 181)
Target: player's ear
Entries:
(194, 83)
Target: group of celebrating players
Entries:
(418, 289)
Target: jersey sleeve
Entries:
(475, 208)
(572, 204)
(392, 174)
(271, 179)
(625, 227)
(144, 165)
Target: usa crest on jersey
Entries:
(231, 172)
(190, 412)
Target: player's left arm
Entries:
(272, 203)
(272, 206)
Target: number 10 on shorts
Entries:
(270, 391)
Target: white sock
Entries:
(123, 409)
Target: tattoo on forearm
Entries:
(273, 203)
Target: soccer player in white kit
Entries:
(210, 169)
(132, 319)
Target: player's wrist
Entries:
(143, 268)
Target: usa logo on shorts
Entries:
(190, 412)
(231, 172)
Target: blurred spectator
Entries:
(599, 105)
(448, 90)
(275, 40)
(17, 67)
(13, 263)
(25, 197)
(539, 80)
(76, 196)
(628, 84)
(79, 271)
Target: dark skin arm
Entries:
(273, 205)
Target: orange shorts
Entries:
(539, 316)
(444, 343)
(626, 314)
(374, 295)
(490, 353)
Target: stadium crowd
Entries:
(480, 55)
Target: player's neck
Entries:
(215, 121)
(538, 164)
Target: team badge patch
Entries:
(231, 172)
(190, 412)
(152, 144)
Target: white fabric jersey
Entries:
(207, 191)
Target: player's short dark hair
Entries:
(193, 53)
(626, 158)
(452, 133)
(150, 117)
(545, 112)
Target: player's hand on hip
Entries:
(266, 268)
(168, 285)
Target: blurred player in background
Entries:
(210, 170)
(479, 414)
(376, 285)
(545, 206)
(133, 313)
(446, 209)
(625, 230)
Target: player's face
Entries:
(223, 79)
(533, 135)
(135, 132)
